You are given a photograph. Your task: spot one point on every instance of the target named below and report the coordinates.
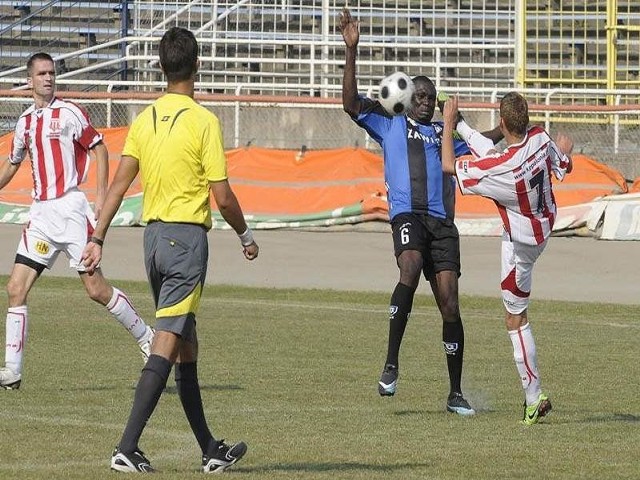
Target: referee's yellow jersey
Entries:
(179, 148)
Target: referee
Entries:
(177, 147)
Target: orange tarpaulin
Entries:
(289, 182)
(284, 181)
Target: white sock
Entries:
(16, 338)
(121, 308)
(524, 353)
(479, 145)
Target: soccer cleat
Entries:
(533, 413)
(457, 404)
(134, 462)
(388, 381)
(9, 380)
(145, 347)
(221, 456)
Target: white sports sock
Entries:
(16, 338)
(121, 308)
(479, 145)
(524, 353)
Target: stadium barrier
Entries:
(311, 130)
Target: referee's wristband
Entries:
(97, 241)
(246, 238)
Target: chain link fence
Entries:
(609, 136)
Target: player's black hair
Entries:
(422, 79)
(178, 54)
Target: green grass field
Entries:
(294, 374)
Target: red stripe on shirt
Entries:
(471, 182)
(56, 150)
(502, 210)
(88, 136)
(42, 169)
(525, 208)
(491, 162)
(81, 161)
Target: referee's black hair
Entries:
(178, 54)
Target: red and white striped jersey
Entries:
(518, 180)
(58, 138)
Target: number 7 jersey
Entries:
(518, 180)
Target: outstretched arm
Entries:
(351, 35)
(450, 116)
(565, 145)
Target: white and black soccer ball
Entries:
(396, 92)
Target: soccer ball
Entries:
(396, 92)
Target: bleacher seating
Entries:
(58, 28)
(274, 42)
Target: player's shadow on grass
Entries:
(331, 467)
(408, 413)
(171, 389)
(614, 417)
(609, 418)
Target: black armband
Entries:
(97, 241)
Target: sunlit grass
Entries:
(294, 373)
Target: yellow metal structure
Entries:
(579, 44)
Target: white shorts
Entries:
(60, 225)
(517, 269)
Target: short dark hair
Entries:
(178, 54)
(515, 113)
(423, 79)
(37, 56)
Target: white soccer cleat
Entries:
(145, 346)
(9, 380)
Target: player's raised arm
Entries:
(450, 116)
(565, 145)
(351, 35)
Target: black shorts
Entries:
(436, 238)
